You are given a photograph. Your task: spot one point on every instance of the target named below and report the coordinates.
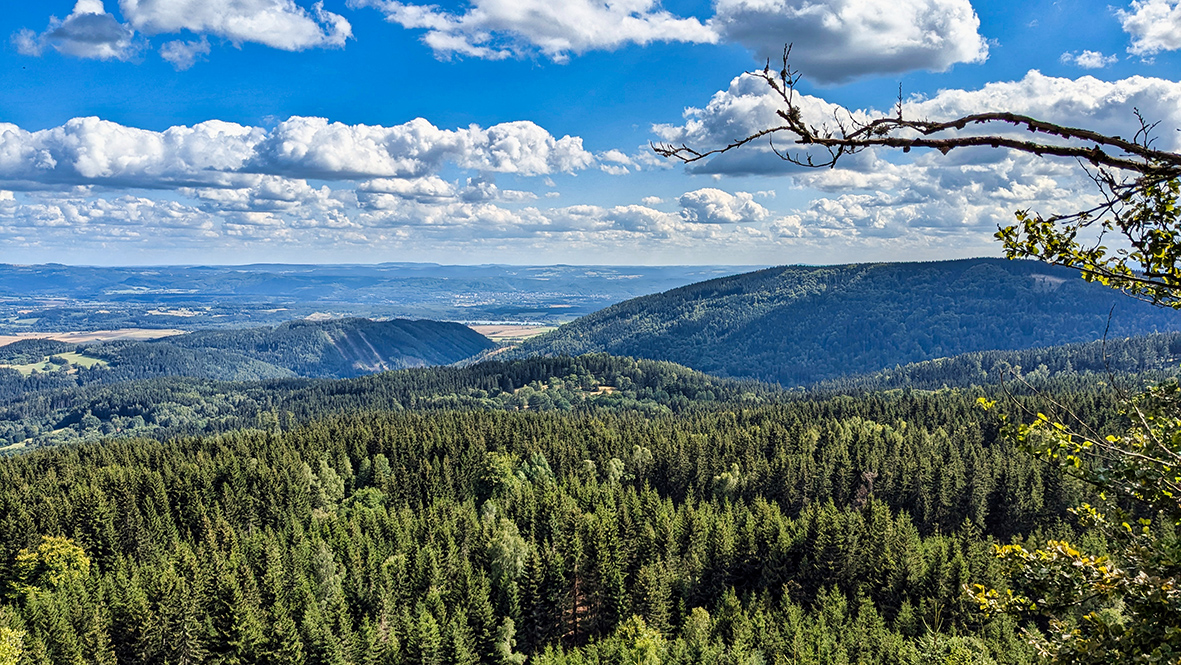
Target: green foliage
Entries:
(1123, 605)
(1148, 267)
(1130, 361)
(324, 349)
(11, 645)
(505, 643)
(480, 534)
(172, 407)
(55, 562)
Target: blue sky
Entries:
(515, 131)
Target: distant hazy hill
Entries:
(797, 325)
(323, 349)
(344, 347)
(60, 298)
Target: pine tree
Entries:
(96, 642)
(284, 645)
(652, 597)
(482, 616)
(425, 642)
(460, 643)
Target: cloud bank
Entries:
(91, 32)
(835, 41)
(926, 195)
(498, 29)
(280, 24)
(844, 39)
(90, 151)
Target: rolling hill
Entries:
(797, 325)
(338, 348)
(343, 347)
(1124, 362)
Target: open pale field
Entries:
(82, 336)
(45, 365)
(507, 332)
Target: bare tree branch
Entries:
(1139, 183)
(1101, 150)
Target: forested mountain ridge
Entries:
(796, 325)
(171, 406)
(1129, 361)
(319, 349)
(345, 347)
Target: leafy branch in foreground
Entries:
(1119, 607)
(1138, 183)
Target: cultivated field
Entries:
(510, 333)
(84, 336)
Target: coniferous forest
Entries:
(739, 529)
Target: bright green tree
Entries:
(12, 645)
(1125, 605)
(53, 563)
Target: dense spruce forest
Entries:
(1128, 362)
(796, 325)
(333, 349)
(823, 530)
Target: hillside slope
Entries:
(326, 349)
(174, 405)
(798, 324)
(1125, 362)
(344, 347)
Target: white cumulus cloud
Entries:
(842, 39)
(90, 31)
(748, 106)
(314, 147)
(714, 206)
(498, 29)
(280, 24)
(1155, 26)
(1105, 106)
(184, 55)
(835, 41)
(87, 151)
(1089, 59)
(926, 196)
